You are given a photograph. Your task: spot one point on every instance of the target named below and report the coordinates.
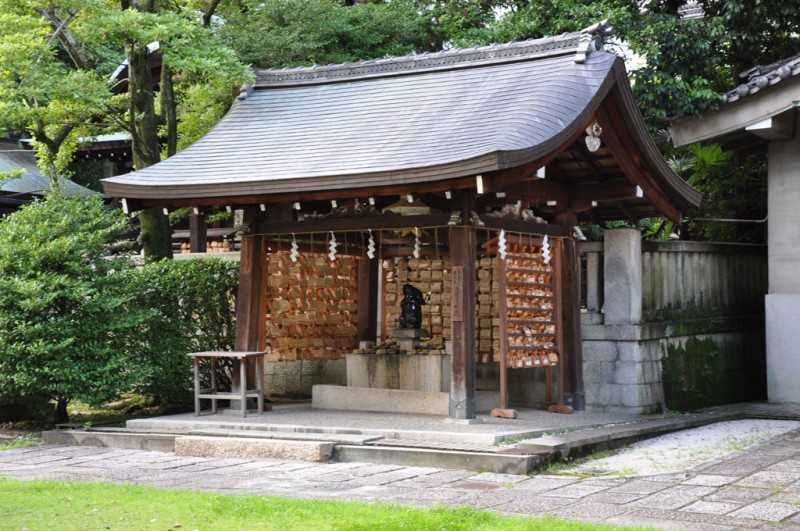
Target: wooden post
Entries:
(251, 295)
(572, 354)
(463, 242)
(197, 233)
(251, 301)
(503, 368)
(367, 298)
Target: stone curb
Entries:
(610, 437)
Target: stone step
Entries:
(499, 463)
(338, 438)
(253, 448)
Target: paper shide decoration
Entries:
(501, 244)
(416, 242)
(371, 246)
(294, 252)
(546, 250)
(332, 247)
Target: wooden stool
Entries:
(243, 394)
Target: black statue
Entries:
(411, 307)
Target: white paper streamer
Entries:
(545, 250)
(294, 253)
(416, 242)
(501, 244)
(332, 247)
(371, 246)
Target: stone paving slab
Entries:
(757, 489)
(768, 511)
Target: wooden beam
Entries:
(352, 223)
(500, 180)
(602, 192)
(251, 306)
(544, 190)
(459, 183)
(526, 227)
(621, 144)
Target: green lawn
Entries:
(40, 505)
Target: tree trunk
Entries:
(169, 111)
(61, 414)
(61, 32)
(155, 231)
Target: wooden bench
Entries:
(213, 394)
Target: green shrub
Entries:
(79, 324)
(63, 313)
(189, 307)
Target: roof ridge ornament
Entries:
(592, 38)
(564, 44)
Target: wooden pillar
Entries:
(251, 296)
(572, 356)
(368, 298)
(197, 233)
(251, 299)
(463, 242)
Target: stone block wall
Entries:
(678, 327)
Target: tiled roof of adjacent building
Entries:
(760, 77)
(31, 182)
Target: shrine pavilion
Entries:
(459, 172)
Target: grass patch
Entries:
(567, 466)
(56, 505)
(20, 442)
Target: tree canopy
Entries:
(57, 56)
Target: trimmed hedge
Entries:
(188, 306)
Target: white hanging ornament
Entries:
(294, 253)
(416, 242)
(501, 244)
(545, 250)
(332, 247)
(371, 246)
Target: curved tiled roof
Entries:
(409, 120)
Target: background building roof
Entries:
(32, 182)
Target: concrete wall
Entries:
(783, 302)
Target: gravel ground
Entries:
(680, 451)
